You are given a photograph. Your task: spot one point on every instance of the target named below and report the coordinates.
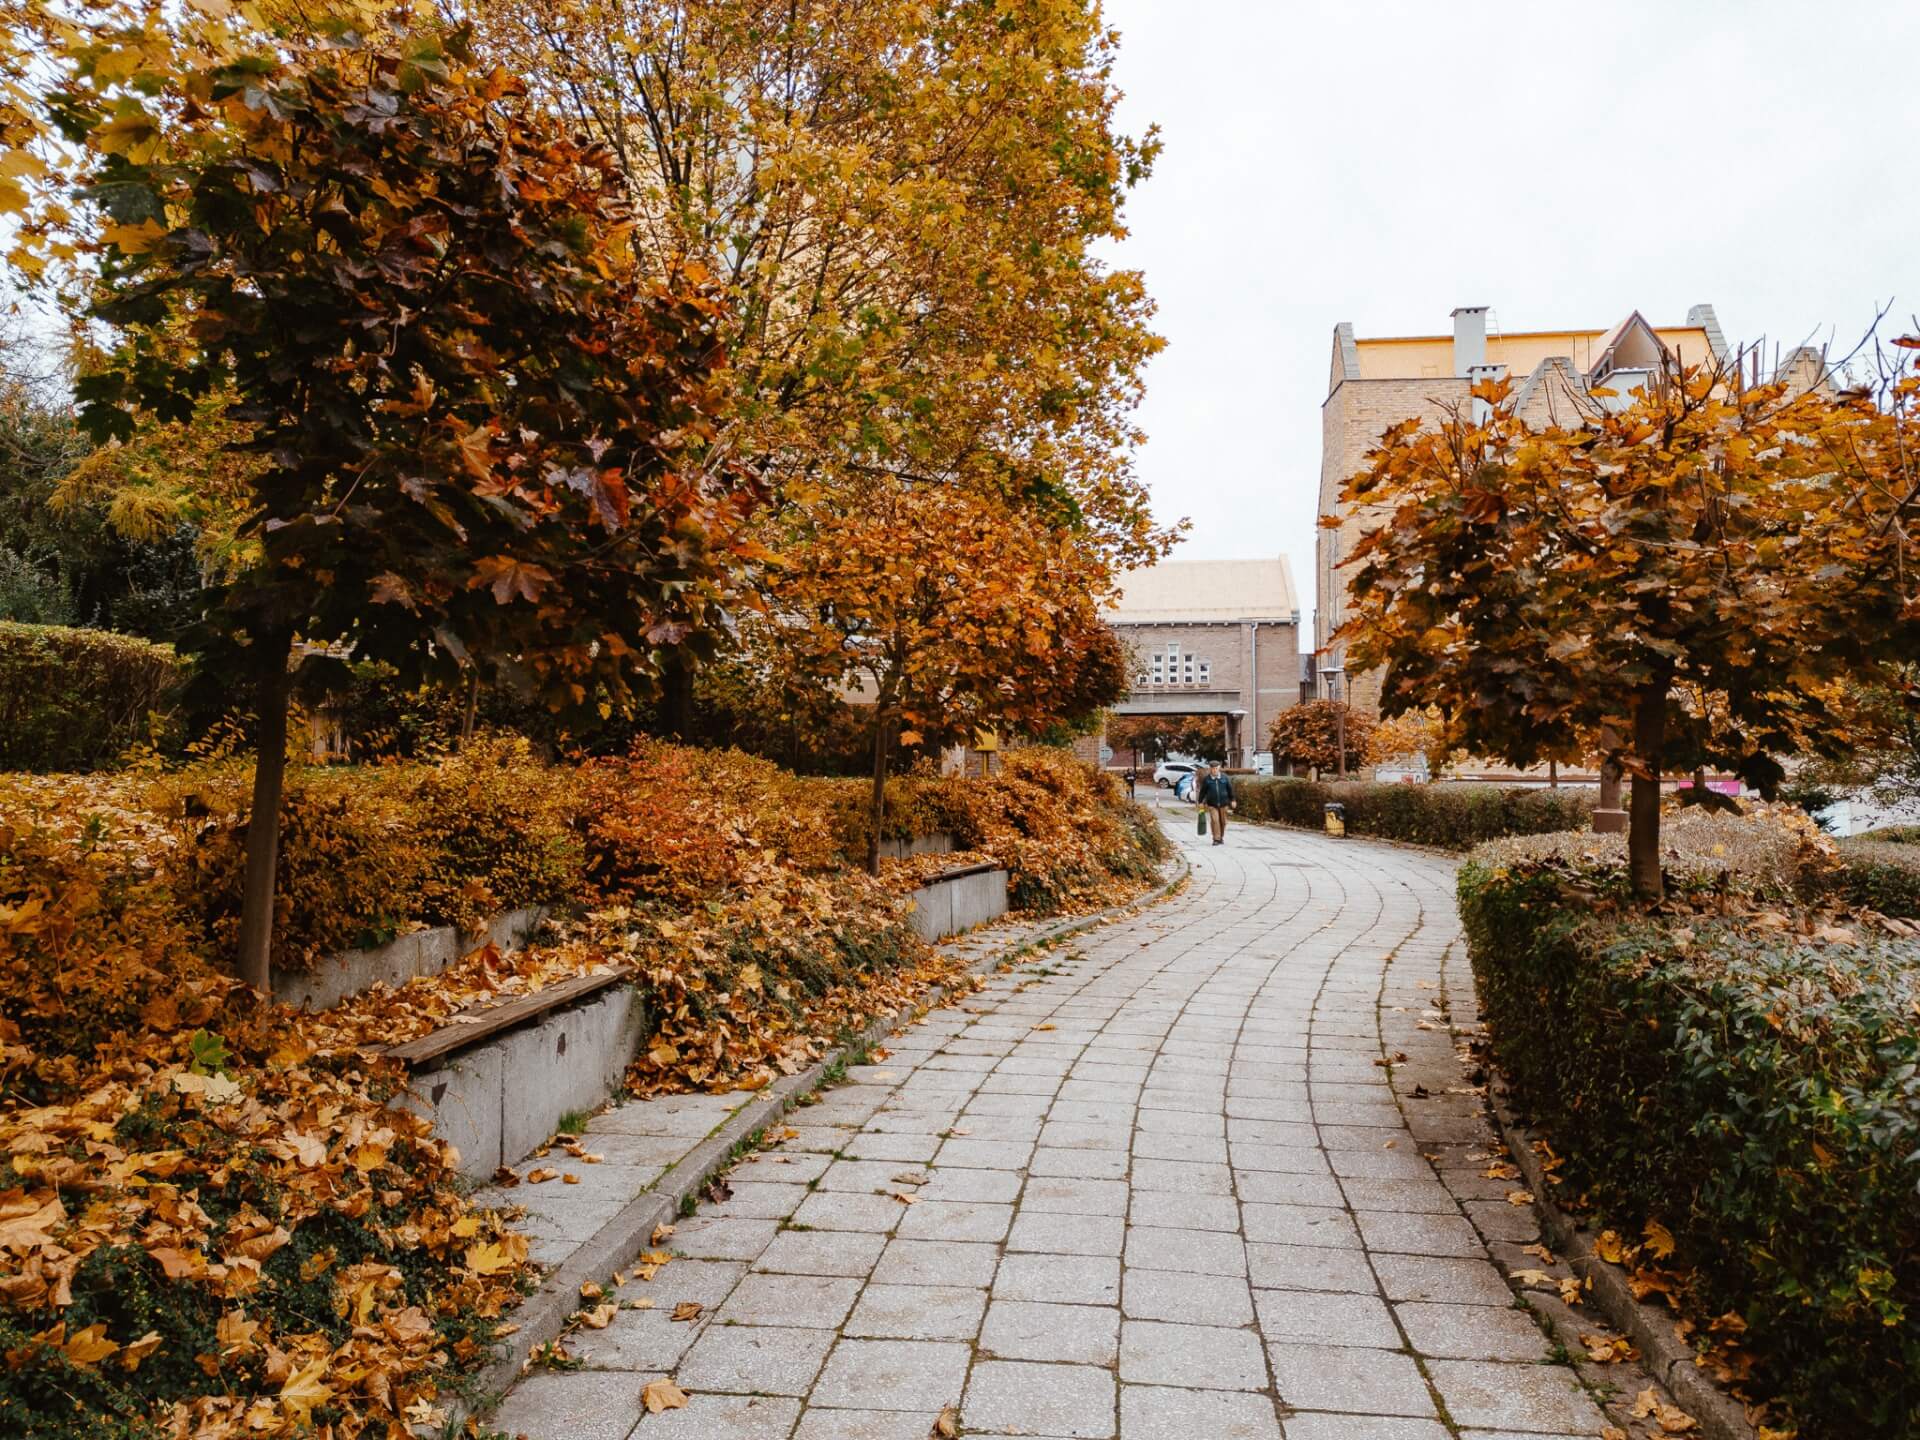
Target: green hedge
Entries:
(1877, 874)
(1754, 1092)
(75, 699)
(1455, 817)
(1894, 835)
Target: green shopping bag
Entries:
(1200, 822)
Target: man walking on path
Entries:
(1133, 778)
(1216, 793)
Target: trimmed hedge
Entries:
(1894, 835)
(1754, 1092)
(1453, 817)
(74, 699)
(1877, 874)
(365, 851)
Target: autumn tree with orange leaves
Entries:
(1154, 737)
(1698, 570)
(1310, 735)
(906, 203)
(483, 428)
(945, 615)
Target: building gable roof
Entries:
(1555, 376)
(1607, 350)
(1207, 591)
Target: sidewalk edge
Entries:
(543, 1315)
(1650, 1327)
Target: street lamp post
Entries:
(1334, 674)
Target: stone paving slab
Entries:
(637, 1142)
(1152, 1186)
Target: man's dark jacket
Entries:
(1216, 790)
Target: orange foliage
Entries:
(672, 823)
(181, 1204)
(178, 1204)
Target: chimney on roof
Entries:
(1469, 339)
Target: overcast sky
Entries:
(1383, 162)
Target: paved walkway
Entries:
(635, 1143)
(1155, 1186)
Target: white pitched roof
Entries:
(1177, 591)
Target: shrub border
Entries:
(1430, 847)
(1650, 1327)
(543, 1315)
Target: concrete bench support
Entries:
(940, 842)
(421, 952)
(958, 902)
(496, 1100)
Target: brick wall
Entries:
(1228, 650)
(1351, 421)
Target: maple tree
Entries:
(1155, 737)
(1695, 568)
(482, 427)
(1310, 734)
(944, 613)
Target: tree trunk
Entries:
(274, 692)
(676, 696)
(877, 810)
(1643, 825)
(1553, 774)
(473, 706)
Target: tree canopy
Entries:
(1310, 734)
(1696, 569)
(904, 200)
(1157, 736)
(482, 431)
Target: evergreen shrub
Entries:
(74, 699)
(1450, 816)
(1754, 1090)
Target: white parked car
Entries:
(1169, 773)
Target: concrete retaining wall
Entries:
(497, 1100)
(423, 952)
(947, 907)
(940, 842)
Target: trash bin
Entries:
(1336, 818)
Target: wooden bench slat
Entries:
(503, 1016)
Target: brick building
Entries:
(1213, 637)
(1377, 382)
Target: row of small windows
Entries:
(1171, 667)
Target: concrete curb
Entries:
(543, 1315)
(1650, 1327)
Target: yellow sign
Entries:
(986, 741)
